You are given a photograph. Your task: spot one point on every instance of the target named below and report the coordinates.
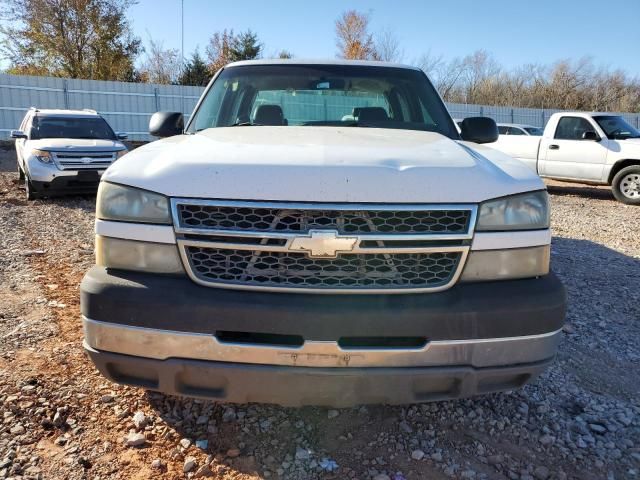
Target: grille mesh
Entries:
(292, 269)
(344, 221)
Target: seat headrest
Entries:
(269, 115)
(372, 114)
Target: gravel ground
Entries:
(60, 419)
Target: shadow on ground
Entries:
(585, 191)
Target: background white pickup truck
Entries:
(596, 148)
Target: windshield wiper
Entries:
(242, 124)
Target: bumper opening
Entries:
(382, 342)
(250, 338)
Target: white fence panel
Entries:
(128, 106)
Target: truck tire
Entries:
(626, 185)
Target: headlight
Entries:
(138, 256)
(483, 265)
(528, 211)
(121, 153)
(128, 204)
(42, 155)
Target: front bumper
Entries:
(165, 333)
(48, 179)
(85, 181)
(299, 386)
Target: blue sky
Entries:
(515, 32)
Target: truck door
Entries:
(570, 155)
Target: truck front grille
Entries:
(323, 248)
(83, 160)
(284, 269)
(302, 220)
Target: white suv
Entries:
(64, 151)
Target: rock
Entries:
(157, 464)
(596, 427)
(139, 420)
(468, 474)
(58, 419)
(17, 430)
(202, 444)
(405, 427)
(189, 464)
(229, 415)
(437, 457)
(541, 473)
(417, 454)
(568, 328)
(547, 439)
(381, 476)
(185, 443)
(302, 454)
(332, 414)
(135, 439)
(107, 398)
(202, 420)
(495, 459)
(233, 452)
(204, 472)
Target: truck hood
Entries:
(81, 144)
(323, 164)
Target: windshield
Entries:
(323, 95)
(616, 127)
(71, 127)
(534, 131)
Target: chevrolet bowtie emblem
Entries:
(323, 243)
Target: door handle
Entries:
(554, 147)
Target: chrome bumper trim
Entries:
(165, 344)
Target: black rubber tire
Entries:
(616, 186)
(31, 194)
(20, 173)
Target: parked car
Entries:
(273, 252)
(596, 148)
(64, 151)
(519, 129)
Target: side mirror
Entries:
(17, 134)
(591, 135)
(121, 136)
(166, 124)
(479, 130)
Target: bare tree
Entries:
(444, 75)
(572, 85)
(160, 65)
(387, 46)
(353, 38)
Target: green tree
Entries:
(245, 47)
(285, 54)
(69, 38)
(195, 71)
(226, 47)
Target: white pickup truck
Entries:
(596, 148)
(320, 233)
